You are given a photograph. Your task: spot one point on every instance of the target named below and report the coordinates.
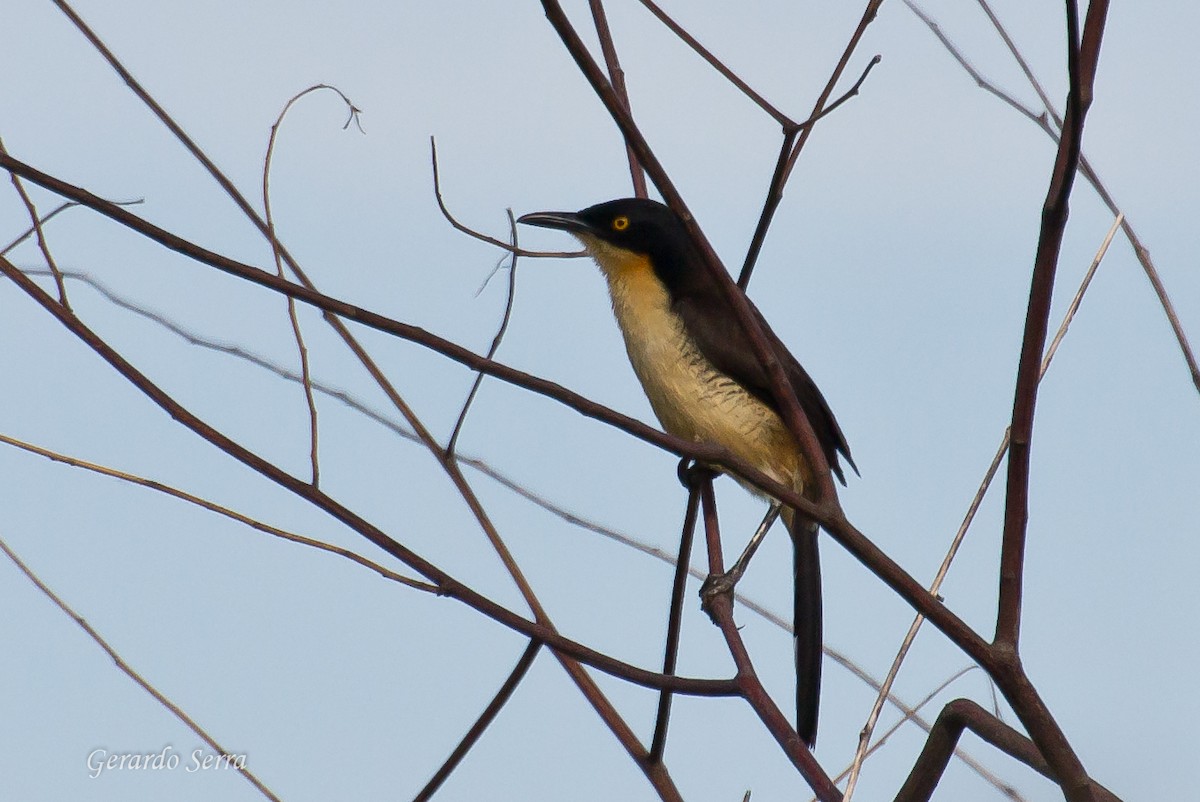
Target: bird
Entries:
(705, 383)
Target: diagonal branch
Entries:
(719, 607)
(486, 718)
(130, 672)
(835, 521)
(447, 584)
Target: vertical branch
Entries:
(616, 77)
(675, 621)
(276, 248)
(972, 509)
(1081, 61)
(719, 606)
(1083, 54)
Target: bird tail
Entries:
(806, 623)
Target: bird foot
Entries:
(716, 586)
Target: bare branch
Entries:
(1083, 52)
(616, 77)
(470, 232)
(129, 671)
(485, 718)
(508, 307)
(36, 222)
(961, 714)
(717, 64)
(675, 621)
(985, 484)
(275, 252)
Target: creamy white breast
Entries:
(690, 397)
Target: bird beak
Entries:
(565, 221)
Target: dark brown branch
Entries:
(719, 607)
(1054, 219)
(944, 736)
(675, 622)
(1083, 54)
(616, 77)
(782, 171)
(485, 719)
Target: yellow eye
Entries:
(620, 223)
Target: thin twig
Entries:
(904, 719)
(275, 253)
(55, 212)
(782, 171)
(129, 671)
(204, 503)
(36, 222)
(470, 232)
(868, 16)
(508, 307)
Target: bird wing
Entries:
(718, 334)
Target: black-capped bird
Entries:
(705, 383)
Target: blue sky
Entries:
(897, 271)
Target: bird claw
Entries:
(717, 585)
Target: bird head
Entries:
(618, 230)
